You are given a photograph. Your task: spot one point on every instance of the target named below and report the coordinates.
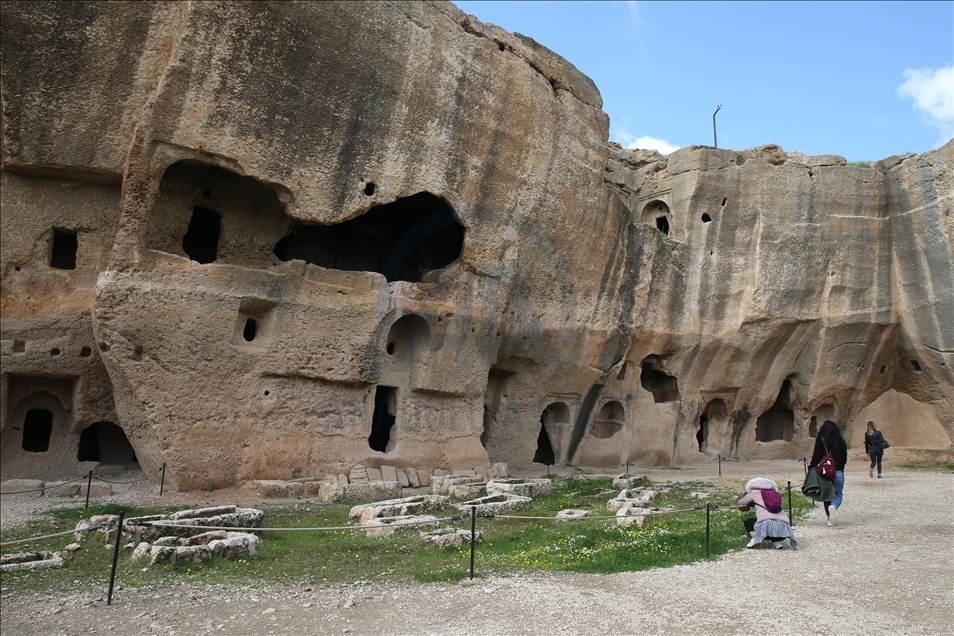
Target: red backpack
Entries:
(826, 467)
(772, 501)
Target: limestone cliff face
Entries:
(386, 233)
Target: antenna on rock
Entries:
(715, 140)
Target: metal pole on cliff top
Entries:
(162, 482)
(715, 140)
(119, 538)
(473, 538)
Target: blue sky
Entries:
(864, 80)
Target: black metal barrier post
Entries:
(790, 518)
(720, 465)
(162, 482)
(627, 469)
(473, 538)
(89, 482)
(119, 538)
(708, 509)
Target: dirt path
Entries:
(886, 568)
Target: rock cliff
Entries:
(273, 240)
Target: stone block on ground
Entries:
(237, 545)
(358, 475)
(630, 498)
(498, 504)
(523, 487)
(374, 474)
(481, 472)
(463, 472)
(412, 479)
(438, 473)
(627, 481)
(389, 473)
(371, 491)
(501, 469)
(312, 488)
(449, 537)
(343, 479)
(140, 551)
(265, 488)
(386, 526)
(61, 489)
(424, 477)
(31, 561)
(629, 516)
(402, 478)
(22, 487)
(570, 514)
(193, 554)
(416, 505)
(205, 537)
(159, 554)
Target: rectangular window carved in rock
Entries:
(63, 249)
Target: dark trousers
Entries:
(876, 459)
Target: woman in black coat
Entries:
(829, 440)
(874, 446)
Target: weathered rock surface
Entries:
(285, 239)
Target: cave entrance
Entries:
(715, 416)
(106, 443)
(544, 454)
(382, 418)
(37, 428)
(609, 421)
(403, 240)
(664, 387)
(657, 213)
(777, 423)
(63, 249)
(702, 436)
(201, 241)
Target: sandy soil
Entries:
(886, 568)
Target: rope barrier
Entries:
(21, 492)
(58, 534)
(134, 481)
(641, 514)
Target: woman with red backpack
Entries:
(770, 521)
(830, 447)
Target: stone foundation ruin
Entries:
(265, 241)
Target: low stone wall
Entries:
(363, 482)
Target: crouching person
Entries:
(770, 521)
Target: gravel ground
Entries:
(886, 568)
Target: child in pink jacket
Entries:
(774, 526)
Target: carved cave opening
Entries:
(494, 398)
(553, 421)
(63, 249)
(777, 423)
(544, 453)
(609, 421)
(404, 240)
(248, 332)
(201, 241)
(37, 428)
(657, 213)
(664, 387)
(382, 418)
(106, 443)
(715, 415)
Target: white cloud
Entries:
(634, 11)
(627, 140)
(933, 94)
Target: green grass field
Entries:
(314, 558)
